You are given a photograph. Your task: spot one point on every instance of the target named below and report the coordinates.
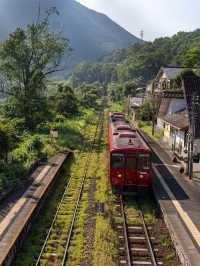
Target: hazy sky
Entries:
(156, 17)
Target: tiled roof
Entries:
(172, 72)
(178, 120)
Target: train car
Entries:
(130, 158)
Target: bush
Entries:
(29, 151)
(143, 123)
(11, 176)
(145, 111)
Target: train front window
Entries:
(117, 160)
(144, 161)
(131, 163)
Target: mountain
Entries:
(91, 34)
(140, 62)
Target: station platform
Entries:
(179, 199)
(17, 216)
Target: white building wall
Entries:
(160, 124)
(180, 137)
(174, 139)
(166, 136)
(179, 146)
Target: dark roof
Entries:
(178, 120)
(172, 72)
(191, 88)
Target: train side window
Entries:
(117, 160)
(144, 161)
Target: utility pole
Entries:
(192, 133)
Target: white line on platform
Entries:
(184, 216)
(170, 165)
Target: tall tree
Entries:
(130, 88)
(8, 139)
(192, 58)
(65, 101)
(27, 59)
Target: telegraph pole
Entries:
(190, 153)
(192, 133)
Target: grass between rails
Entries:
(105, 246)
(147, 204)
(33, 244)
(76, 250)
(144, 203)
(54, 249)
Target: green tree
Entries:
(192, 58)
(141, 61)
(89, 93)
(8, 139)
(27, 59)
(65, 100)
(130, 88)
(115, 91)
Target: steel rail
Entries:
(79, 196)
(125, 231)
(151, 251)
(60, 204)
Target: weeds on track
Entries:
(54, 249)
(105, 246)
(32, 245)
(76, 250)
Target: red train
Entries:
(130, 158)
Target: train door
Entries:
(131, 170)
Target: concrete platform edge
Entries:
(178, 247)
(177, 244)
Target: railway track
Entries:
(137, 245)
(57, 243)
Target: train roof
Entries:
(122, 136)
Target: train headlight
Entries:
(141, 176)
(119, 175)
